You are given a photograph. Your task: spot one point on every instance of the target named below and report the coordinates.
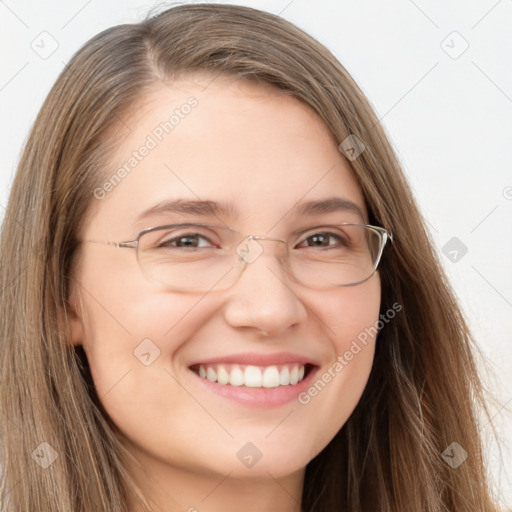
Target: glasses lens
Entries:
(188, 257)
(340, 255)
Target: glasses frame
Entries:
(385, 237)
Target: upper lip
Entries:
(256, 359)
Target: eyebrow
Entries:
(191, 207)
(208, 208)
(329, 205)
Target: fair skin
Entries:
(263, 152)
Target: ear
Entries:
(74, 313)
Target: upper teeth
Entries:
(253, 376)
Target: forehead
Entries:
(222, 139)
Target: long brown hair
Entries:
(423, 392)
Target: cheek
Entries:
(132, 346)
(348, 312)
(132, 330)
(350, 319)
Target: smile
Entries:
(253, 376)
(255, 379)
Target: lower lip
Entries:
(259, 397)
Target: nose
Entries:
(264, 298)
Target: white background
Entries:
(448, 115)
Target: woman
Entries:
(155, 356)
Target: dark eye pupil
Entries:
(319, 238)
(191, 241)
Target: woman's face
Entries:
(243, 145)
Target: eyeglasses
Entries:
(200, 257)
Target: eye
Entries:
(185, 240)
(325, 239)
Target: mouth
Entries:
(256, 379)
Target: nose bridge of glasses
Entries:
(267, 238)
(250, 248)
